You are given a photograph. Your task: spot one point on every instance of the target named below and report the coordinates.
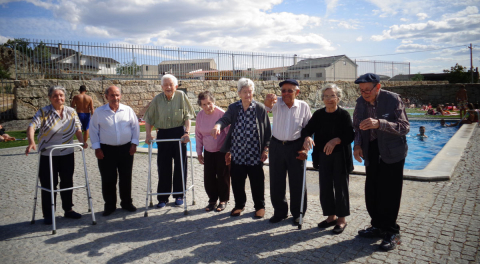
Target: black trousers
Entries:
(256, 176)
(333, 179)
(168, 151)
(63, 167)
(383, 190)
(216, 177)
(282, 159)
(117, 163)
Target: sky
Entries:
(430, 35)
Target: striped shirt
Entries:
(288, 122)
(400, 127)
(55, 131)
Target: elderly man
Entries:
(115, 133)
(247, 141)
(381, 124)
(170, 112)
(290, 115)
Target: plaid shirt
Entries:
(245, 148)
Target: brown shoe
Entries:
(260, 213)
(237, 211)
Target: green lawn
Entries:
(18, 143)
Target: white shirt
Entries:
(114, 128)
(288, 122)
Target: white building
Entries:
(332, 68)
(70, 61)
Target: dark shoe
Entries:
(390, 241)
(47, 221)
(260, 213)
(211, 207)
(179, 201)
(161, 204)
(130, 208)
(108, 212)
(371, 232)
(338, 229)
(325, 224)
(276, 219)
(73, 215)
(296, 221)
(237, 211)
(221, 206)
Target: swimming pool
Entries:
(420, 150)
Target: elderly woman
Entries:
(216, 173)
(334, 133)
(247, 141)
(170, 112)
(57, 124)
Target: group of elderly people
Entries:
(233, 145)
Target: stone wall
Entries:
(30, 95)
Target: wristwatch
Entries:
(265, 150)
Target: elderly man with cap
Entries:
(290, 115)
(381, 124)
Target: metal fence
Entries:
(84, 60)
(6, 99)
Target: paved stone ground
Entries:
(440, 223)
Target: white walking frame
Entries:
(149, 177)
(52, 190)
(300, 222)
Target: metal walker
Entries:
(300, 222)
(149, 178)
(52, 190)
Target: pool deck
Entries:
(439, 169)
(440, 222)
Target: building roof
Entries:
(186, 61)
(322, 62)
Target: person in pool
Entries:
(422, 132)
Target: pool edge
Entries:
(440, 168)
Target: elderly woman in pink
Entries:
(216, 163)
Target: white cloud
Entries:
(91, 30)
(460, 27)
(347, 24)
(415, 47)
(359, 38)
(422, 16)
(404, 19)
(236, 24)
(331, 5)
(4, 39)
(406, 41)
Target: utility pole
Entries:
(471, 63)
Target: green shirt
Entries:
(164, 114)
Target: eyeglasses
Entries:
(328, 97)
(287, 91)
(367, 91)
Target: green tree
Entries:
(458, 74)
(42, 53)
(130, 68)
(417, 77)
(4, 74)
(20, 44)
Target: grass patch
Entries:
(18, 143)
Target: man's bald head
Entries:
(112, 88)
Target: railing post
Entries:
(15, 54)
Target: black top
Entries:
(327, 126)
(2, 131)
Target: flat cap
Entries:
(367, 78)
(291, 81)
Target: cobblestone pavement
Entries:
(440, 223)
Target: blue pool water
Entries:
(420, 150)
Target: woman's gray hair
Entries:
(205, 95)
(54, 88)
(245, 82)
(108, 88)
(171, 77)
(335, 89)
